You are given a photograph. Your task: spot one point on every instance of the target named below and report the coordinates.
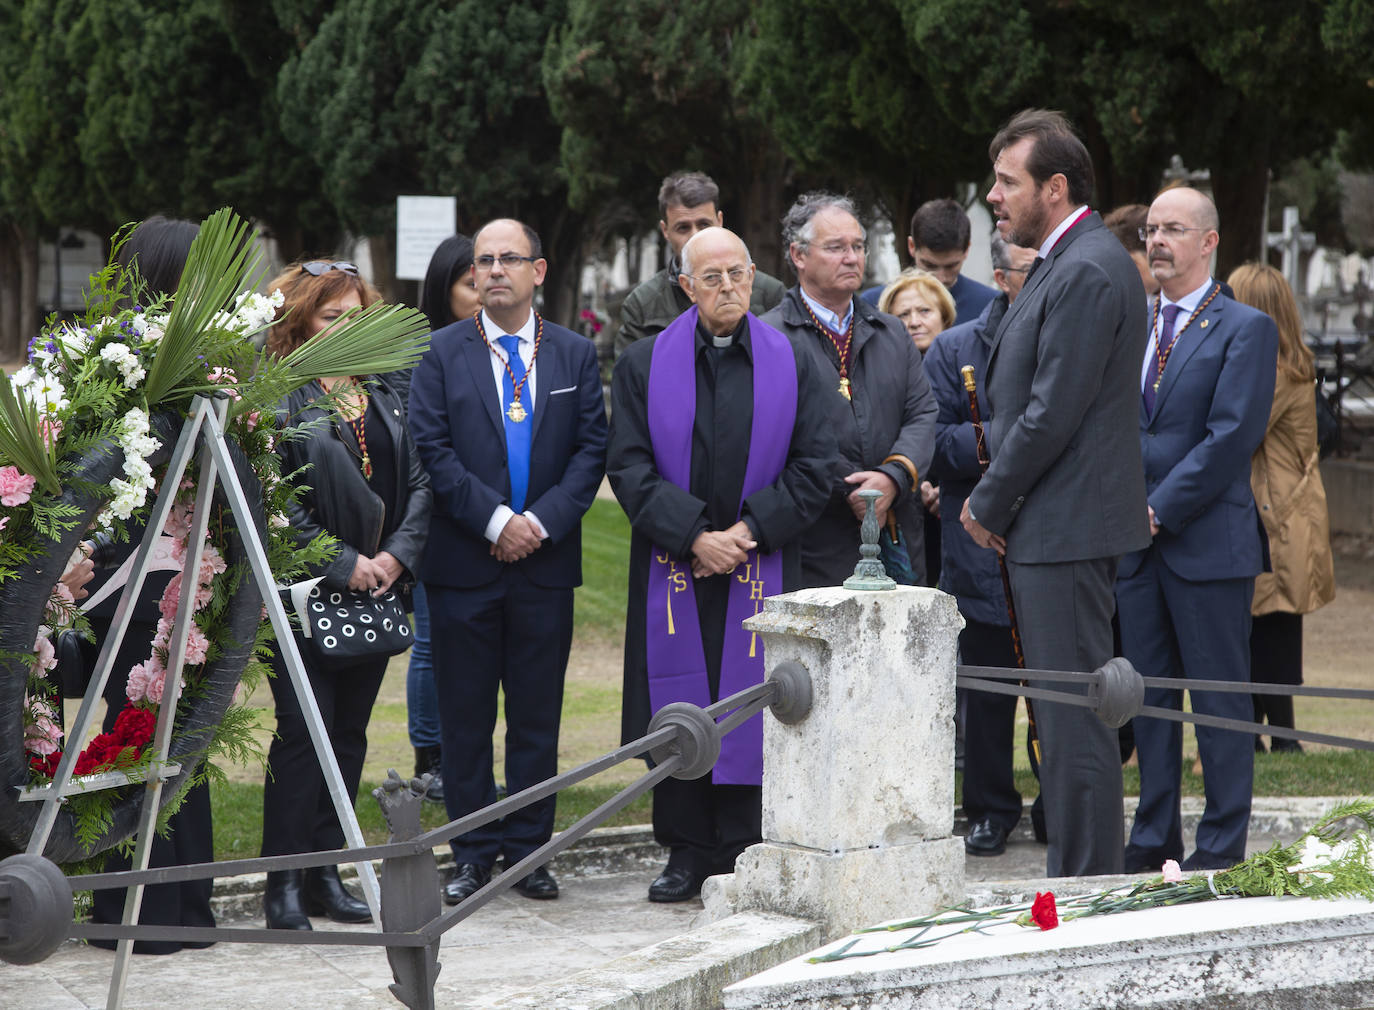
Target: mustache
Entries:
(1162, 254)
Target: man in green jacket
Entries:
(687, 203)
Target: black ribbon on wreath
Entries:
(22, 602)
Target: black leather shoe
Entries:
(326, 895)
(1282, 745)
(1200, 860)
(539, 885)
(468, 878)
(284, 901)
(986, 838)
(427, 762)
(675, 884)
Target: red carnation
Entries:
(1043, 912)
(135, 726)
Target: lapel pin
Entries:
(1203, 324)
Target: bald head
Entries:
(1194, 204)
(1181, 231)
(713, 239)
(718, 275)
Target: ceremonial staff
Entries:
(983, 460)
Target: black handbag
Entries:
(343, 625)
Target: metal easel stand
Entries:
(204, 427)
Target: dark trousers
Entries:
(989, 727)
(1276, 658)
(297, 811)
(1171, 627)
(1064, 612)
(514, 636)
(705, 826)
(190, 836)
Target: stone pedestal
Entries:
(858, 797)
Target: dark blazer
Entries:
(456, 420)
(1210, 415)
(1063, 386)
(968, 572)
(893, 412)
(338, 499)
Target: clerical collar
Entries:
(709, 339)
(1190, 301)
(829, 317)
(1064, 226)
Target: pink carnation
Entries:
(50, 428)
(1173, 873)
(171, 598)
(42, 735)
(196, 642)
(211, 564)
(15, 487)
(197, 645)
(136, 689)
(146, 681)
(4, 521)
(178, 525)
(45, 658)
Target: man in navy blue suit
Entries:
(1207, 386)
(507, 414)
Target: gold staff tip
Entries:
(967, 373)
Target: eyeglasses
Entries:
(1014, 270)
(715, 280)
(318, 268)
(1166, 230)
(840, 248)
(507, 260)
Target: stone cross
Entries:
(1293, 241)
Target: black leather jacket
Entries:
(337, 498)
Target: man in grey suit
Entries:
(1062, 499)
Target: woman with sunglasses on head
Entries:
(447, 295)
(363, 485)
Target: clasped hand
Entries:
(519, 539)
(375, 575)
(718, 552)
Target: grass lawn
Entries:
(1339, 640)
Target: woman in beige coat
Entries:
(1292, 502)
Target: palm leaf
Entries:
(222, 258)
(379, 338)
(20, 440)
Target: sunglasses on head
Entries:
(318, 268)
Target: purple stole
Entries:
(676, 658)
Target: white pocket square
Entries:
(565, 389)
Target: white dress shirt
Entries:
(1064, 226)
(1186, 306)
(503, 512)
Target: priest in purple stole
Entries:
(720, 467)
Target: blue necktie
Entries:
(518, 433)
(1166, 335)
